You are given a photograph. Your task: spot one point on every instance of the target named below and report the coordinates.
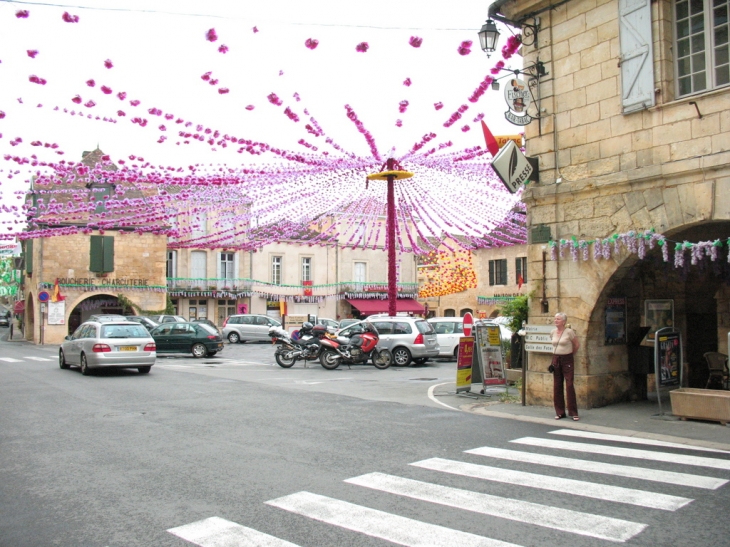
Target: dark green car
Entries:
(197, 338)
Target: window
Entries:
(360, 234)
(171, 264)
(449, 313)
(498, 272)
(199, 265)
(101, 254)
(521, 269)
(100, 194)
(200, 225)
(226, 308)
(306, 268)
(464, 311)
(702, 48)
(227, 266)
(276, 270)
(361, 272)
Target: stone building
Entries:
(91, 266)
(632, 133)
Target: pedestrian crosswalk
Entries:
(537, 458)
(11, 360)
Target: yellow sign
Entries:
(504, 139)
(493, 336)
(463, 363)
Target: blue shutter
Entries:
(637, 59)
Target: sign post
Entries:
(537, 338)
(468, 323)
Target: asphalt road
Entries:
(218, 450)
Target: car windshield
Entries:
(123, 331)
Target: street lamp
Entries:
(488, 37)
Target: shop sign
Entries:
(512, 166)
(463, 363)
(57, 313)
(489, 353)
(518, 97)
(667, 357)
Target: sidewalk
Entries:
(638, 419)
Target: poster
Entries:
(658, 314)
(57, 313)
(489, 353)
(615, 321)
(463, 363)
(668, 358)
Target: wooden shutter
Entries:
(637, 59)
(96, 254)
(28, 256)
(108, 244)
(491, 272)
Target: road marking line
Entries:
(568, 486)
(379, 524)
(10, 360)
(682, 459)
(565, 520)
(435, 400)
(633, 440)
(218, 532)
(40, 359)
(654, 475)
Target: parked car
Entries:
(159, 319)
(450, 329)
(119, 344)
(4, 322)
(327, 322)
(248, 328)
(146, 322)
(207, 322)
(409, 339)
(347, 322)
(106, 317)
(196, 338)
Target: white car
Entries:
(450, 329)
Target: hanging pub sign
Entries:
(518, 97)
(511, 166)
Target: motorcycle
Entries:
(359, 349)
(306, 347)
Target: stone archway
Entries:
(700, 295)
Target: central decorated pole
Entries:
(391, 174)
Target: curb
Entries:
(597, 428)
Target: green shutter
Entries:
(108, 254)
(491, 273)
(96, 254)
(28, 256)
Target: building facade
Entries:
(632, 134)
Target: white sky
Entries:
(159, 53)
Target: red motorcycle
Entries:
(358, 349)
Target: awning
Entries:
(369, 306)
(19, 307)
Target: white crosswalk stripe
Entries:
(379, 524)
(565, 520)
(10, 360)
(697, 461)
(39, 359)
(557, 484)
(218, 532)
(632, 440)
(654, 475)
(400, 530)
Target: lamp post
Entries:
(391, 174)
(488, 37)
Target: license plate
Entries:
(127, 348)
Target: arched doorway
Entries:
(696, 297)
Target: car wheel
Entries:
(199, 350)
(234, 338)
(401, 357)
(62, 360)
(84, 366)
(144, 370)
(456, 352)
(420, 361)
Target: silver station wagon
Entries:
(119, 344)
